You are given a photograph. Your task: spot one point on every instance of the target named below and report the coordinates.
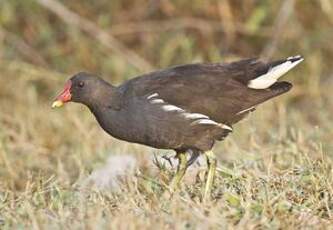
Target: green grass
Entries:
(275, 169)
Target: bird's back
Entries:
(224, 92)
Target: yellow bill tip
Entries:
(57, 104)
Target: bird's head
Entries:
(82, 88)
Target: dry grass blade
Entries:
(94, 31)
(204, 26)
(285, 12)
(22, 47)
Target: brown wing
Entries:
(219, 91)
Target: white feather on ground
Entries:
(118, 168)
(110, 176)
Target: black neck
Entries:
(107, 96)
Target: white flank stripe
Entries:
(171, 108)
(153, 95)
(202, 119)
(268, 79)
(205, 122)
(226, 127)
(211, 122)
(245, 110)
(195, 116)
(157, 101)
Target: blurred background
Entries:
(43, 42)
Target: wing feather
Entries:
(219, 91)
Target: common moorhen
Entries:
(185, 108)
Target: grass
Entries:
(275, 170)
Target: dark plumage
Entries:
(184, 108)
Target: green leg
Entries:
(182, 166)
(211, 162)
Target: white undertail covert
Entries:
(274, 73)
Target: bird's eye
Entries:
(81, 84)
